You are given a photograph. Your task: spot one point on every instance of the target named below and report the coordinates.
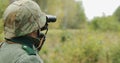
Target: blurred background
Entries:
(86, 31)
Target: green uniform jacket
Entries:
(15, 53)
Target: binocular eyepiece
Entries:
(50, 18)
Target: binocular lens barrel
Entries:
(50, 18)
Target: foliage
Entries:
(1, 26)
(81, 46)
(67, 12)
(1, 30)
(3, 5)
(115, 53)
(117, 13)
(109, 23)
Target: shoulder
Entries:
(20, 53)
(29, 59)
(18, 49)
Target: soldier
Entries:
(23, 21)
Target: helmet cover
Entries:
(22, 17)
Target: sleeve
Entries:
(29, 59)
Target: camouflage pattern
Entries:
(22, 17)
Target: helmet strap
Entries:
(42, 38)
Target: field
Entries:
(80, 46)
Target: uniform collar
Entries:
(24, 40)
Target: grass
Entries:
(80, 46)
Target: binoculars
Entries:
(50, 18)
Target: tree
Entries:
(80, 16)
(70, 14)
(108, 23)
(117, 13)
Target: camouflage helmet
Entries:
(22, 17)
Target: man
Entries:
(23, 21)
